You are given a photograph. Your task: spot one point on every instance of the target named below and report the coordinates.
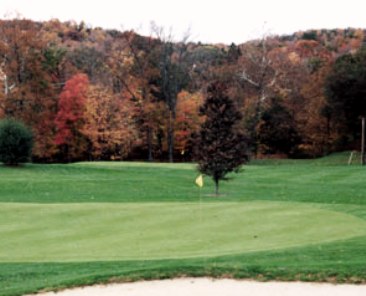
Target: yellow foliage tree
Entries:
(109, 124)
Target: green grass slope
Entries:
(77, 224)
(308, 181)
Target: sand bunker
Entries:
(214, 287)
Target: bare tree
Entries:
(258, 76)
(173, 75)
(6, 88)
(258, 71)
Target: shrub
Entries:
(16, 142)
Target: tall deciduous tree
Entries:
(345, 90)
(259, 77)
(109, 124)
(188, 121)
(28, 90)
(221, 146)
(173, 78)
(145, 72)
(70, 117)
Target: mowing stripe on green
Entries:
(129, 231)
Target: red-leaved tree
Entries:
(70, 118)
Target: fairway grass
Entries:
(105, 232)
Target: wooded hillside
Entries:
(92, 94)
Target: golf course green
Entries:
(66, 225)
(99, 232)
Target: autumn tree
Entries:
(145, 72)
(301, 68)
(109, 124)
(221, 146)
(259, 76)
(20, 64)
(188, 121)
(133, 63)
(314, 125)
(30, 90)
(173, 78)
(70, 118)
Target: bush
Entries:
(16, 142)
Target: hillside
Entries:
(142, 94)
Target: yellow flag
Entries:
(199, 181)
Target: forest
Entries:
(96, 94)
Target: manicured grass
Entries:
(100, 232)
(309, 181)
(76, 224)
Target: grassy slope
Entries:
(318, 181)
(325, 182)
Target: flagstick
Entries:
(199, 183)
(200, 219)
(200, 197)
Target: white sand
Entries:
(214, 287)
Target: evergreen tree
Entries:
(16, 142)
(221, 145)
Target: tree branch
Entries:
(246, 77)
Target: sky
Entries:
(209, 21)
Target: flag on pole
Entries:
(199, 181)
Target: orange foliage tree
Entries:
(109, 124)
(188, 120)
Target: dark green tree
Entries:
(16, 142)
(221, 145)
(276, 131)
(345, 90)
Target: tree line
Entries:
(95, 94)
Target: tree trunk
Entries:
(363, 142)
(149, 144)
(171, 137)
(6, 86)
(217, 187)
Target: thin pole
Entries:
(350, 158)
(200, 205)
(363, 142)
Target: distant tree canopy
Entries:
(142, 94)
(345, 90)
(221, 146)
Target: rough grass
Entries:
(326, 194)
